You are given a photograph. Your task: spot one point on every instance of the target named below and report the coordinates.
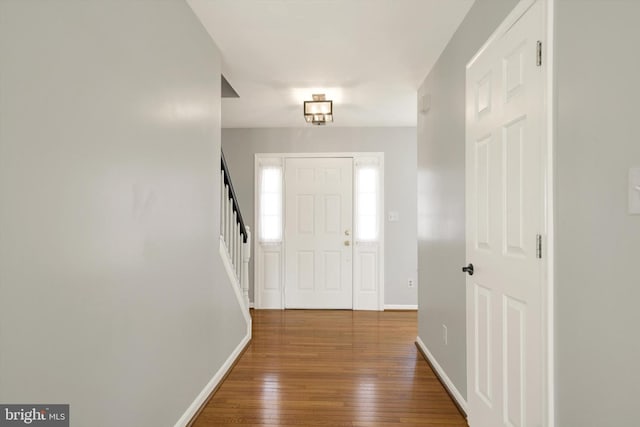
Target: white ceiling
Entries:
(368, 56)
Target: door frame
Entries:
(274, 298)
(548, 174)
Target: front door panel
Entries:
(318, 230)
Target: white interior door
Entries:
(318, 233)
(504, 146)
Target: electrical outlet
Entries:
(444, 334)
(411, 283)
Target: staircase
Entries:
(235, 236)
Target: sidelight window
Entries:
(270, 204)
(367, 202)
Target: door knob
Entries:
(347, 243)
(468, 269)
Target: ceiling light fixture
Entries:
(319, 111)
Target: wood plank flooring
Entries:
(331, 368)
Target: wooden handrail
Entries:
(234, 198)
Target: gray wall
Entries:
(441, 192)
(112, 294)
(399, 146)
(598, 242)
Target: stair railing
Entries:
(233, 231)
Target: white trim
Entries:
(550, 103)
(278, 158)
(202, 397)
(228, 266)
(401, 306)
(252, 305)
(336, 154)
(443, 376)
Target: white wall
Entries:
(598, 242)
(112, 294)
(441, 192)
(399, 146)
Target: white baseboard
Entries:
(252, 305)
(212, 384)
(226, 366)
(443, 376)
(400, 306)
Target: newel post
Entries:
(246, 256)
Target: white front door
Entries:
(318, 233)
(504, 209)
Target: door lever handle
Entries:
(468, 269)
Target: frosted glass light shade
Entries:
(319, 111)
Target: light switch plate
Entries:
(634, 191)
(393, 216)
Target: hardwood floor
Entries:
(331, 368)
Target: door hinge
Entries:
(538, 246)
(539, 54)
